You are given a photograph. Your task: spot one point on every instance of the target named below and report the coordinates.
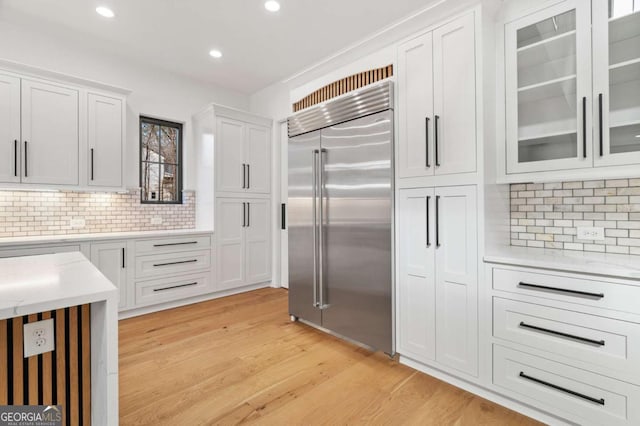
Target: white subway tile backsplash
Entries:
(547, 215)
(50, 213)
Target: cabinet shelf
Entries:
(543, 138)
(624, 71)
(547, 42)
(548, 89)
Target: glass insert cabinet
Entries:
(572, 86)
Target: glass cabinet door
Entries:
(616, 73)
(548, 89)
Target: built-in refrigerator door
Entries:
(357, 176)
(303, 235)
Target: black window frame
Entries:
(164, 123)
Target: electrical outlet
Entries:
(589, 233)
(78, 223)
(38, 337)
(156, 221)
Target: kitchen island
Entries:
(83, 304)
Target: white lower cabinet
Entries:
(437, 287)
(566, 343)
(111, 259)
(243, 241)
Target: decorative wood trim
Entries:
(345, 85)
(61, 377)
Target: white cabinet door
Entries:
(548, 89)
(105, 138)
(457, 278)
(49, 133)
(258, 158)
(415, 112)
(110, 259)
(10, 164)
(257, 241)
(230, 165)
(416, 286)
(230, 224)
(616, 82)
(454, 89)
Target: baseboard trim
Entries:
(189, 301)
(485, 393)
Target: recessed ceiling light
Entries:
(637, 136)
(272, 5)
(215, 53)
(105, 11)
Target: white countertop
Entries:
(70, 238)
(615, 265)
(34, 284)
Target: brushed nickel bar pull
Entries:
(559, 333)
(174, 286)
(314, 173)
(561, 389)
(563, 290)
(175, 244)
(176, 263)
(323, 303)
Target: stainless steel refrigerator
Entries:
(340, 215)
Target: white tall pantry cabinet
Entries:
(233, 150)
(437, 207)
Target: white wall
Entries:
(155, 92)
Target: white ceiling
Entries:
(259, 47)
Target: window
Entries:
(160, 161)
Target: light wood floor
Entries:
(240, 360)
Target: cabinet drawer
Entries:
(172, 263)
(170, 289)
(173, 244)
(573, 289)
(605, 342)
(564, 390)
(35, 251)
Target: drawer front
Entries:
(172, 263)
(561, 389)
(170, 289)
(172, 244)
(583, 291)
(605, 342)
(35, 251)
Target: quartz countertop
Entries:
(614, 265)
(70, 238)
(34, 284)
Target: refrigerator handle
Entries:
(314, 197)
(323, 303)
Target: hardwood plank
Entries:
(48, 381)
(86, 364)
(73, 365)
(240, 360)
(4, 373)
(18, 366)
(61, 363)
(33, 371)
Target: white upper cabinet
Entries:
(50, 134)
(56, 134)
(616, 82)
(415, 88)
(572, 90)
(105, 135)
(243, 157)
(548, 89)
(454, 88)
(231, 169)
(437, 101)
(10, 164)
